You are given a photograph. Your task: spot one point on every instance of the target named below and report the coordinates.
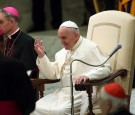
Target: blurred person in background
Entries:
(113, 100)
(39, 14)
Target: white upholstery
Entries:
(109, 28)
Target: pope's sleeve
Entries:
(98, 73)
(101, 71)
(49, 69)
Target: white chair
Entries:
(107, 29)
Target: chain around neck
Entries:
(12, 46)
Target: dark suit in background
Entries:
(39, 16)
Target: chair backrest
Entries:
(109, 28)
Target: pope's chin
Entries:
(66, 47)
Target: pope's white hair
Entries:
(72, 29)
(76, 30)
(116, 102)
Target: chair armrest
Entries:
(90, 83)
(39, 85)
(83, 86)
(38, 81)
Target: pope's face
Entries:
(67, 37)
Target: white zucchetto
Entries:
(69, 24)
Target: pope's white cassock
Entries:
(59, 102)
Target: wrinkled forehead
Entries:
(71, 29)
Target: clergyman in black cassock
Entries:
(18, 45)
(21, 46)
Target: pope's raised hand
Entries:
(39, 48)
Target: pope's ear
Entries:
(76, 35)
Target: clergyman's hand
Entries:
(81, 79)
(39, 48)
